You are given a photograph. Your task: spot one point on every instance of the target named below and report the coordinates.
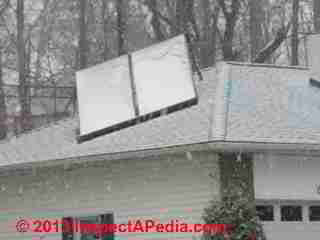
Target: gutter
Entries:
(213, 146)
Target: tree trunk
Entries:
(83, 35)
(23, 88)
(295, 37)
(185, 18)
(256, 13)
(227, 44)
(209, 35)
(3, 109)
(180, 24)
(105, 30)
(121, 26)
(155, 21)
(316, 15)
(231, 18)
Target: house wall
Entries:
(287, 177)
(160, 188)
(282, 180)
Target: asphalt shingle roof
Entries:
(238, 102)
(191, 125)
(272, 104)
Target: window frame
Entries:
(298, 206)
(266, 205)
(310, 211)
(75, 220)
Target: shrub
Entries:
(235, 210)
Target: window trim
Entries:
(75, 220)
(267, 205)
(299, 206)
(309, 213)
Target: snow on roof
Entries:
(237, 103)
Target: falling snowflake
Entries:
(20, 191)
(270, 160)
(239, 157)
(67, 186)
(189, 156)
(108, 188)
(3, 188)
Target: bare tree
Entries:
(121, 26)
(185, 20)
(3, 109)
(295, 37)
(273, 45)
(23, 86)
(105, 29)
(83, 48)
(231, 17)
(155, 21)
(256, 15)
(316, 15)
(208, 42)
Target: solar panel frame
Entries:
(169, 86)
(112, 88)
(140, 118)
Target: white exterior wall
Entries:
(288, 180)
(164, 188)
(287, 177)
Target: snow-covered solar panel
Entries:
(134, 88)
(104, 95)
(163, 76)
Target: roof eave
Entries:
(213, 146)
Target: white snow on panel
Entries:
(163, 76)
(314, 55)
(104, 95)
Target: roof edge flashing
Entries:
(266, 65)
(221, 99)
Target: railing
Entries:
(46, 104)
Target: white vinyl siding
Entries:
(164, 188)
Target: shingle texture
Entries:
(58, 141)
(256, 104)
(273, 105)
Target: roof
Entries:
(272, 104)
(237, 103)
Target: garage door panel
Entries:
(292, 231)
(278, 176)
(283, 225)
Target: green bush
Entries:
(235, 210)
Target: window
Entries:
(72, 231)
(265, 213)
(314, 213)
(292, 213)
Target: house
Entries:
(162, 169)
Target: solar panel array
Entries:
(134, 88)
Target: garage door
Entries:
(292, 220)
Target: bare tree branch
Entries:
(271, 47)
(222, 4)
(155, 21)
